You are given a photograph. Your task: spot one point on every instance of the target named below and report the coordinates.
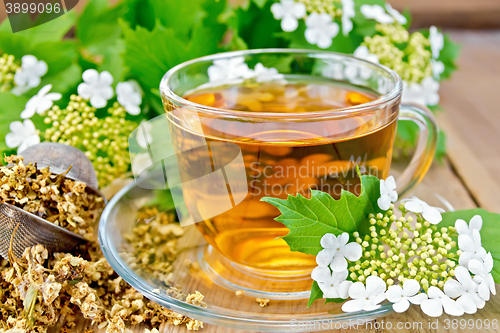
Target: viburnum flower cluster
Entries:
(413, 56)
(407, 260)
(104, 140)
(235, 70)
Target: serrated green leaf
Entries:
(10, 110)
(163, 200)
(490, 233)
(51, 31)
(310, 219)
(257, 27)
(150, 54)
(316, 293)
(448, 56)
(58, 55)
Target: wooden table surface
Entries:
(468, 177)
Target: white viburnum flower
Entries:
(334, 70)
(321, 30)
(336, 251)
(140, 162)
(355, 72)
(397, 15)
(425, 93)
(332, 284)
(30, 73)
(476, 223)
(388, 193)
(433, 307)
(129, 97)
(22, 135)
(402, 297)
(482, 276)
(347, 14)
(230, 69)
(40, 103)
(144, 137)
(471, 248)
(437, 41)
(377, 13)
(437, 68)
(465, 289)
(265, 74)
(289, 12)
(96, 87)
(367, 297)
(431, 214)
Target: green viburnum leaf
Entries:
(490, 233)
(256, 27)
(163, 200)
(51, 31)
(448, 55)
(98, 33)
(10, 110)
(316, 293)
(150, 54)
(310, 219)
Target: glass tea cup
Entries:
(272, 123)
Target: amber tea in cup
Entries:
(278, 123)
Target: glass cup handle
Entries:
(426, 145)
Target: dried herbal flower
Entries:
(59, 200)
(39, 288)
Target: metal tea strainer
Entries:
(23, 229)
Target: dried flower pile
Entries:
(59, 200)
(39, 289)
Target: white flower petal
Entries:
(338, 264)
(343, 289)
(329, 241)
(401, 306)
(13, 140)
(432, 215)
(28, 61)
(418, 299)
(411, 287)
(289, 23)
(91, 76)
(343, 239)
(375, 285)
(384, 203)
(476, 267)
(491, 283)
(353, 305)
(357, 290)
(85, 90)
(97, 101)
(324, 257)
(414, 206)
(451, 307)
(453, 288)
(370, 305)
(321, 274)
(29, 127)
(134, 110)
(432, 307)
(466, 244)
(352, 251)
(105, 78)
(394, 294)
(476, 222)
(462, 227)
(467, 305)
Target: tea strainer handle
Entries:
(426, 145)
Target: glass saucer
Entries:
(284, 313)
(214, 278)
